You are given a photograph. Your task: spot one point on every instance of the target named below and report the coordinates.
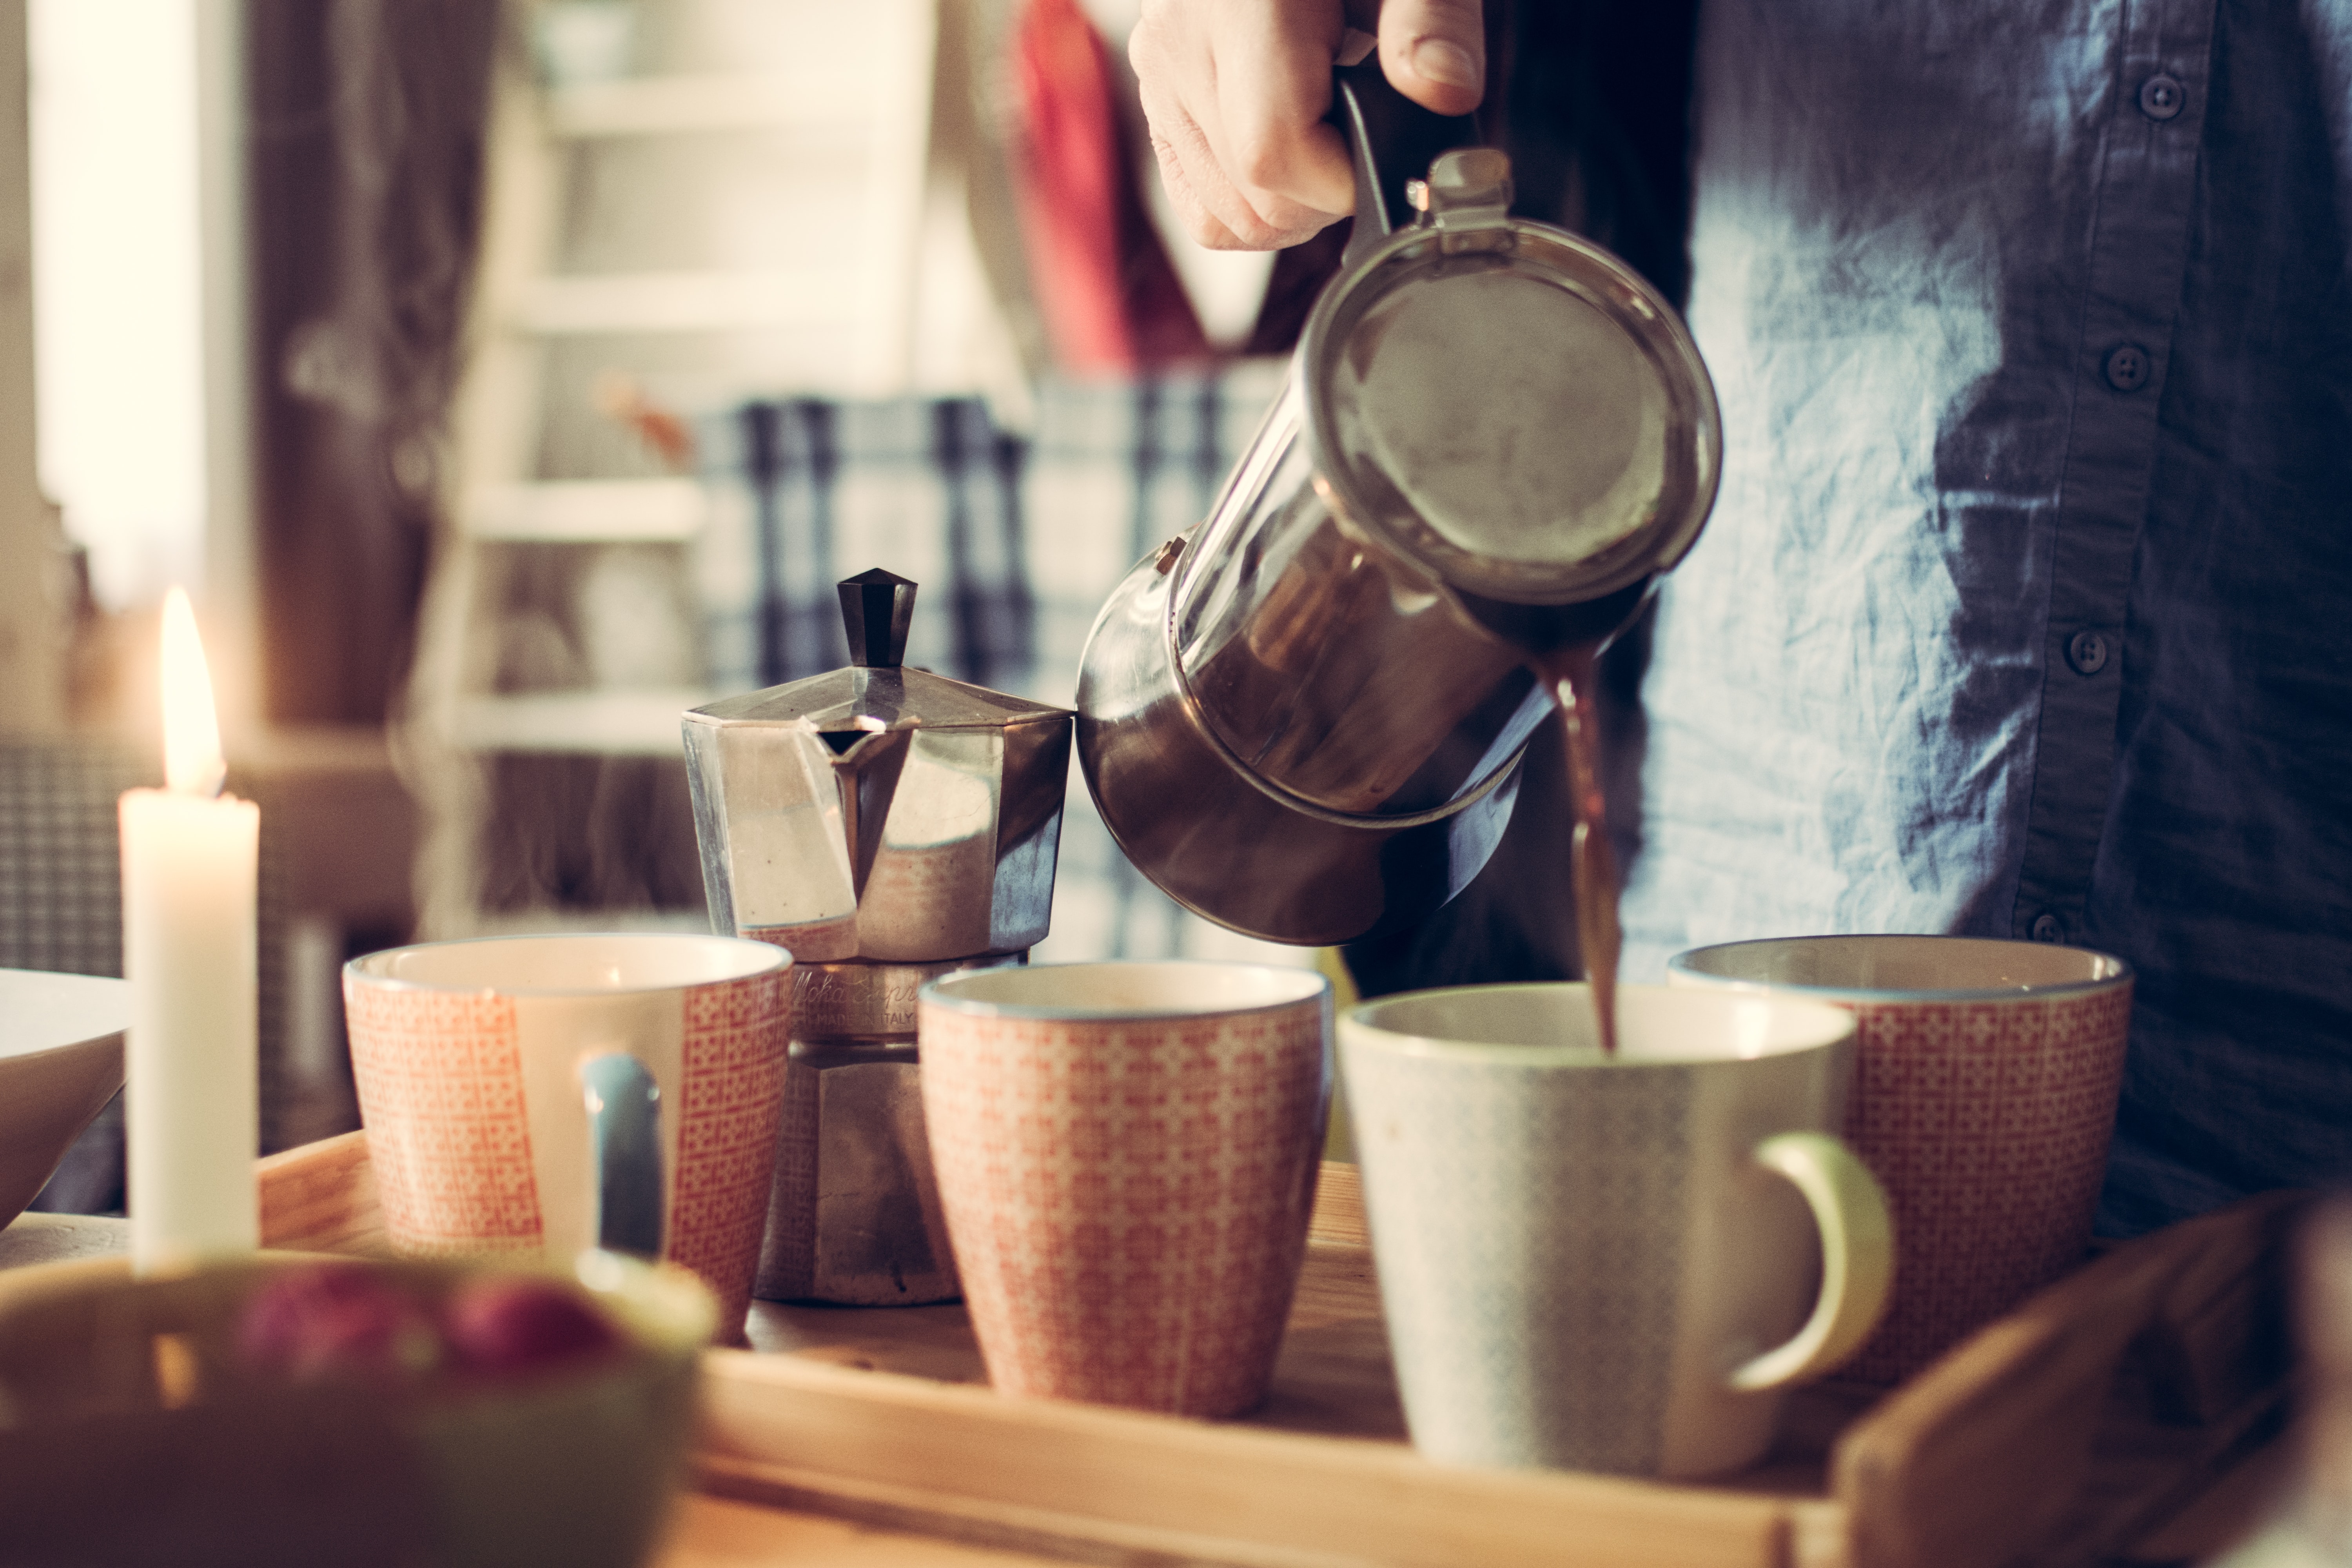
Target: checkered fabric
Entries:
(61, 909)
(1016, 538)
(60, 877)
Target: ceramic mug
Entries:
(1610, 1263)
(1985, 1086)
(486, 1069)
(1127, 1154)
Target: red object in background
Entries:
(1111, 295)
(510, 1325)
(350, 1321)
(337, 1320)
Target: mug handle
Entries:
(1857, 1257)
(624, 1107)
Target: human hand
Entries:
(1236, 90)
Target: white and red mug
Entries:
(1984, 1100)
(470, 1056)
(1128, 1155)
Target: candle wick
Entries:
(206, 784)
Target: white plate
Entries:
(61, 1061)
(41, 1011)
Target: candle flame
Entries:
(192, 747)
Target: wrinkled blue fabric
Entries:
(2026, 609)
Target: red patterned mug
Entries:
(1984, 1100)
(468, 1058)
(1127, 1155)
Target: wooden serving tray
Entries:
(2127, 1414)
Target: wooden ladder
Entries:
(836, 130)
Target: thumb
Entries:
(1434, 52)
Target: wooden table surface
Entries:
(709, 1531)
(2126, 1414)
(713, 1533)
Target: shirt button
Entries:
(2087, 652)
(2127, 367)
(2045, 928)
(2162, 96)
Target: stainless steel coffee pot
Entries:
(886, 826)
(1303, 717)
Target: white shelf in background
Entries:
(718, 101)
(561, 922)
(587, 511)
(642, 722)
(687, 301)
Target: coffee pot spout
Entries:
(866, 768)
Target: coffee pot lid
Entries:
(877, 691)
(1509, 404)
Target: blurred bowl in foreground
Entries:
(60, 1062)
(380, 1419)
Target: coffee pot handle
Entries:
(1857, 1258)
(623, 1106)
(1392, 141)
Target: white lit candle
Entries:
(188, 949)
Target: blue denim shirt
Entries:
(2026, 609)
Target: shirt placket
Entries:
(2147, 179)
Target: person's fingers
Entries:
(1216, 212)
(1272, 93)
(1234, 91)
(1170, 49)
(1434, 52)
(1201, 221)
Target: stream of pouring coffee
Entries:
(1569, 674)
